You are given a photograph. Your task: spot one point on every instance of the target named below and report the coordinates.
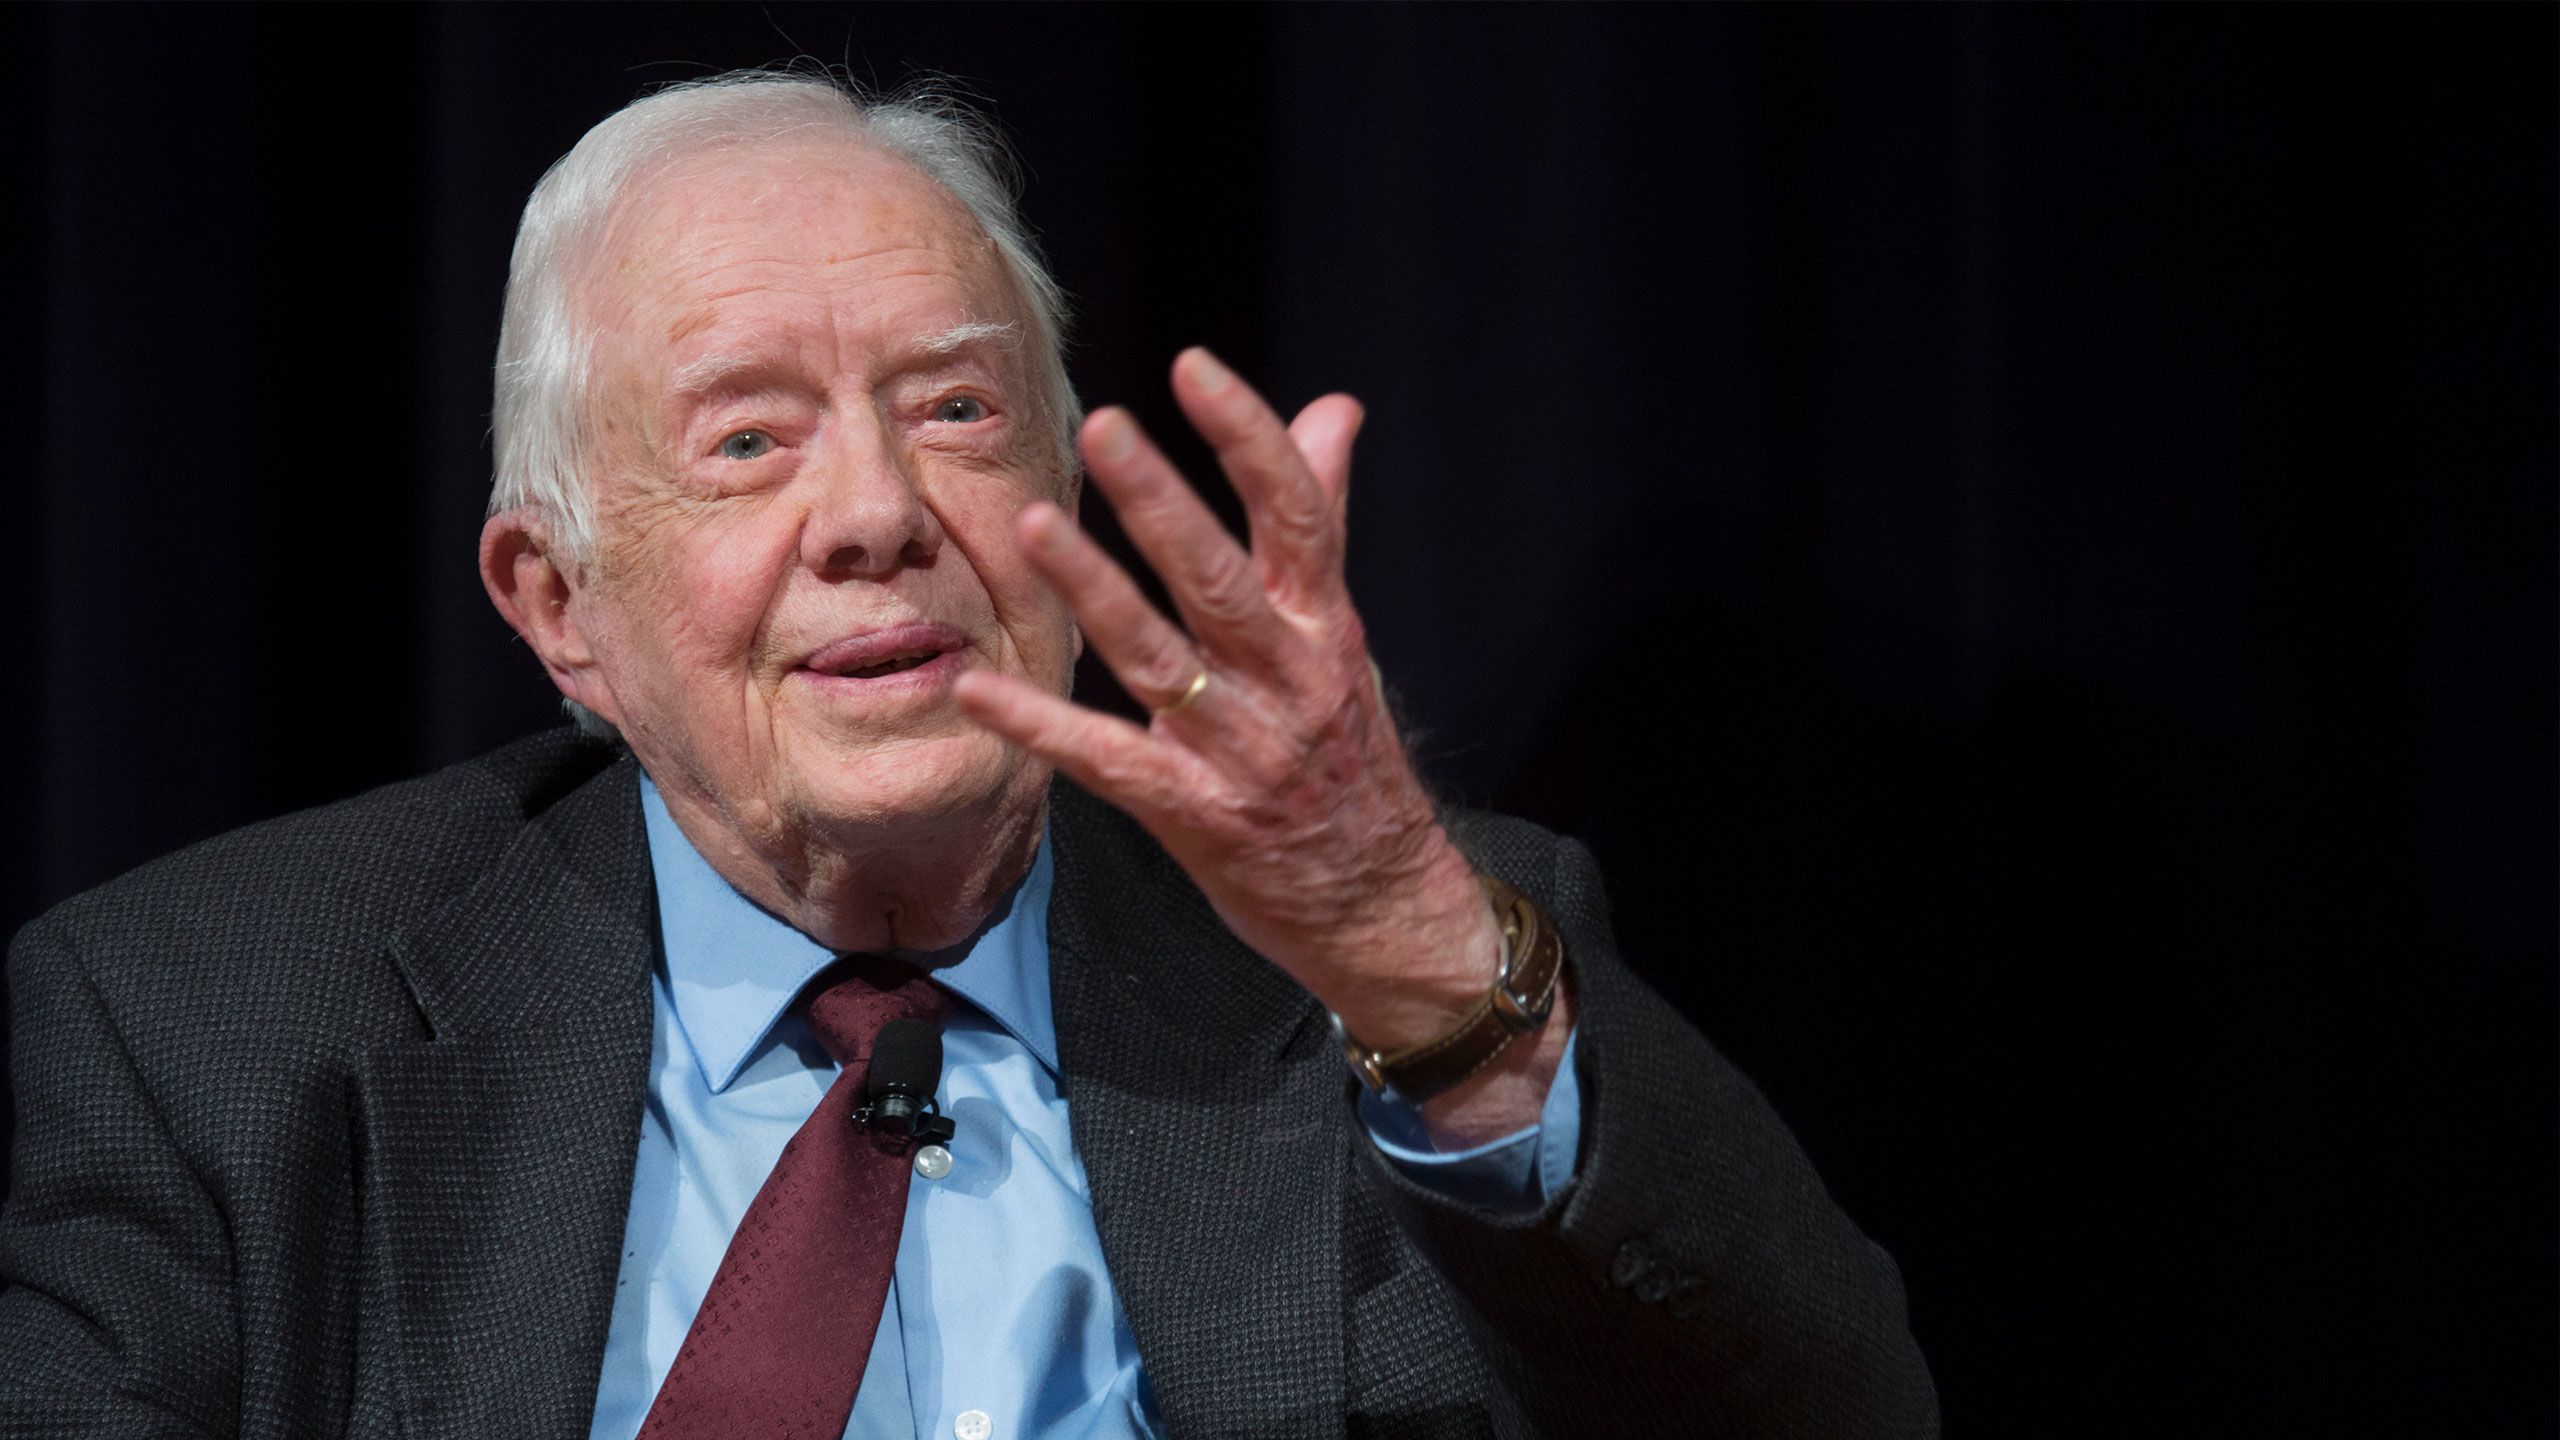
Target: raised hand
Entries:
(1271, 770)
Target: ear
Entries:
(538, 597)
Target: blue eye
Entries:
(746, 445)
(960, 410)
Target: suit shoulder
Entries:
(351, 872)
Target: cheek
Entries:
(732, 575)
(1031, 613)
(700, 586)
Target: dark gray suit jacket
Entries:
(327, 1126)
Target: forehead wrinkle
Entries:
(850, 166)
(700, 314)
(713, 371)
(694, 263)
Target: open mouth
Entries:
(906, 660)
(894, 650)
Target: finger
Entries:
(1297, 538)
(1323, 433)
(1105, 754)
(1152, 660)
(1209, 577)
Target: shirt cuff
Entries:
(1515, 1174)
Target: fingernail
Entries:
(1115, 438)
(1206, 372)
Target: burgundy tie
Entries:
(778, 1347)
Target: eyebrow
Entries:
(975, 332)
(713, 373)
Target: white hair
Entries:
(541, 426)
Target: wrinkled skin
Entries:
(808, 433)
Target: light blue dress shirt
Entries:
(1001, 1322)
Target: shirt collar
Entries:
(733, 969)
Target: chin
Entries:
(941, 778)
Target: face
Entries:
(816, 425)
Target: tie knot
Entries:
(859, 994)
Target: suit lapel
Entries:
(498, 1153)
(1209, 1106)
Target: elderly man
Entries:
(558, 1093)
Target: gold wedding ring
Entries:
(1190, 693)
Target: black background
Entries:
(2022, 536)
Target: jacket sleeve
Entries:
(1694, 1277)
(116, 1314)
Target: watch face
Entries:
(1537, 959)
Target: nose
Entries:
(866, 516)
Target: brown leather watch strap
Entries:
(1523, 994)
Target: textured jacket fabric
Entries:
(326, 1127)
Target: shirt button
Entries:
(933, 1162)
(973, 1424)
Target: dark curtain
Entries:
(2022, 535)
